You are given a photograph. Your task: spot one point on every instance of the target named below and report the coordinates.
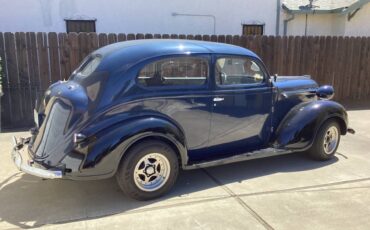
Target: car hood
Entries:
(294, 83)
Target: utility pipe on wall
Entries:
(199, 15)
(278, 7)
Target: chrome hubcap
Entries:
(331, 140)
(151, 172)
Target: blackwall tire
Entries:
(148, 170)
(326, 141)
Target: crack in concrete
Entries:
(216, 198)
(240, 201)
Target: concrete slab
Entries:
(325, 208)
(220, 214)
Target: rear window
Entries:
(178, 71)
(89, 66)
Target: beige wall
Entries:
(331, 24)
(359, 25)
(319, 24)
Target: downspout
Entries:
(278, 6)
(292, 16)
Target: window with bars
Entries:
(78, 26)
(252, 29)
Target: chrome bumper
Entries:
(24, 163)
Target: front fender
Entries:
(106, 148)
(299, 127)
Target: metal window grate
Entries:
(78, 26)
(252, 29)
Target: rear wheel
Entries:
(326, 142)
(148, 170)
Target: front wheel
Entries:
(148, 170)
(326, 142)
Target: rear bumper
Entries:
(25, 164)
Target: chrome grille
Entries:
(54, 129)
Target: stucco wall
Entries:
(359, 25)
(138, 16)
(317, 24)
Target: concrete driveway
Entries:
(284, 192)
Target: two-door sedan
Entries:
(142, 110)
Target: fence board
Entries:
(355, 70)
(361, 84)
(139, 36)
(34, 60)
(23, 75)
(103, 40)
(43, 60)
(5, 99)
(290, 56)
(159, 36)
(347, 80)
(367, 94)
(130, 36)
(122, 37)
(54, 57)
(206, 37)
(75, 57)
(331, 57)
(82, 48)
(65, 55)
(33, 65)
(342, 56)
(93, 42)
(3, 59)
(12, 66)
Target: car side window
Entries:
(177, 71)
(237, 71)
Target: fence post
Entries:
(1, 88)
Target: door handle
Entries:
(218, 99)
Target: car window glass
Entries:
(236, 71)
(90, 66)
(177, 71)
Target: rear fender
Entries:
(105, 149)
(299, 127)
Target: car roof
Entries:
(134, 51)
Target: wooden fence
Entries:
(32, 61)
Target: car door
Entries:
(242, 100)
(178, 88)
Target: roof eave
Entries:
(342, 10)
(316, 11)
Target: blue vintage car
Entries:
(142, 110)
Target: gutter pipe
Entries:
(278, 7)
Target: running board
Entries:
(241, 157)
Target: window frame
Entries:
(259, 25)
(260, 64)
(80, 20)
(206, 85)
